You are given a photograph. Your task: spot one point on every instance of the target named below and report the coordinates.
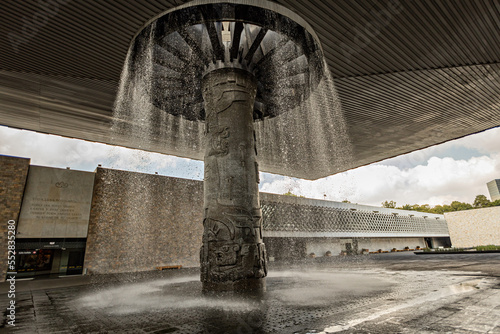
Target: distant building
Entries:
(494, 189)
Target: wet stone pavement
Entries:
(386, 293)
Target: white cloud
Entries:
(135, 160)
(482, 143)
(435, 181)
(487, 142)
(56, 151)
(418, 177)
(50, 150)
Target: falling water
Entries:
(309, 140)
(137, 121)
(313, 135)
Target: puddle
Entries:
(433, 296)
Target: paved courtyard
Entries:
(383, 293)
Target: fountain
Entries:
(234, 84)
(225, 66)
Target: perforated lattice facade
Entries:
(299, 218)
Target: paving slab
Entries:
(380, 293)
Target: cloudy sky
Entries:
(456, 170)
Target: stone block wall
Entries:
(477, 227)
(140, 221)
(13, 175)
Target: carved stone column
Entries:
(233, 256)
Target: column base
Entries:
(250, 285)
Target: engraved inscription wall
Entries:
(56, 203)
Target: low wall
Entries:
(477, 227)
(320, 246)
(298, 248)
(140, 221)
(13, 174)
(386, 244)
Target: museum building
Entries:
(73, 222)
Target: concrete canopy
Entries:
(410, 74)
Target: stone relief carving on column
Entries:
(233, 242)
(219, 142)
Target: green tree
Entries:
(346, 201)
(481, 201)
(447, 208)
(389, 204)
(415, 207)
(425, 208)
(459, 206)
(406, 207)
(289, 193)
(495, 203)
(439, 209)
